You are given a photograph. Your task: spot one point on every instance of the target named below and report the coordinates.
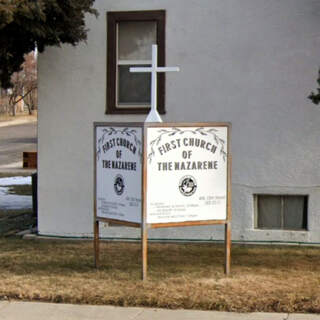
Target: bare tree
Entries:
(4, 101)
(24, 85)
(30, 91)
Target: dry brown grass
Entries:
(14, 174)
(280, 279)
(20, 189)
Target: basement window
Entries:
(281, 212)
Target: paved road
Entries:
(14, 140)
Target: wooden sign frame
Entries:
(146, 226)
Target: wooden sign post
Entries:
(158, 175)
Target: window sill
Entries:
(282, 230)
(131, 111)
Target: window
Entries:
(287, 212)
(129, 40)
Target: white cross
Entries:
(153, 115)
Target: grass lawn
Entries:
(12, 213)
(21, 190)
(264, 278)
(13, 221)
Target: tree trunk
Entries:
(14, 110)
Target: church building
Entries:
(251, 63)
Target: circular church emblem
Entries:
(187, 185)
(118, 184)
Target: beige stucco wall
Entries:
(249, 62)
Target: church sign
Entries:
(118, 172)
(157, 175)
(186, 173)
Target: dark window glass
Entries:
(295, 212)
(269, 208)
(282, 212)
(134, 88)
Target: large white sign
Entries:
(186, 174)
(118, 172)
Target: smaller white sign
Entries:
(187, 173)
(118, 173)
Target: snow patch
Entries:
(13, 201)
(13, 181)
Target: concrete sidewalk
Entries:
(17, 121)
(52, 311)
